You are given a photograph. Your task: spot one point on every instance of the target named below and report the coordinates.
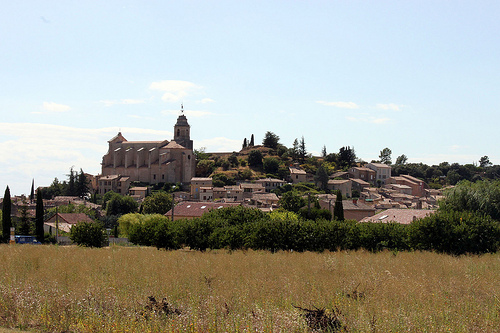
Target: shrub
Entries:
(89, 234)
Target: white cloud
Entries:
(207, 100)
(123, 101)
(189, 113)
(219, 144)
(174, 90)
(43, 151)
(54, 107)
(343, 105)
(390, 106)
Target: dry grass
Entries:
(71, 289)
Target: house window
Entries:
(154, 176)
(162, 176)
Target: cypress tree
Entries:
(39, 216)
(32, 195)
(338, 210)
(251, 144)
(6, 218)
(245, 144)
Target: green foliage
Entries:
(126, 221)
(200, 154)
(39, 213)
(385, 156)
(233, 160)
(314, 213)
(271, 165)
(292, 201)
(346, 157)
(270, 140)
(157, 203)
(481, 196)
(221, 180)
(338, 210)
(120, 205)
(322, 177)
(255, 158)
(89, 234)
(456, 233)
(204, 168)
(401, 160)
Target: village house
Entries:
(418, 187)
(382, 171)
(365, 174)
(270, 183)
(344, 186)
(116, 183)
(403, 216)
(64, 222)
(192, 209)
(297, 175)
(197, 183)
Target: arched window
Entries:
(178, 132)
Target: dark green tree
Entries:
(204, 168)
(338, 210)
(157, 203)
(271, 140)
(322, 177)
(6, 215)
(120, 205)
(294, 151)
(245, 144)
(32, 194)
(71, 191)
(255, 158)
(252, 143)
(401, 160)
(82, 185)
(485, 162)
(292, 201)
(24, 225)
(385, 156)
(324, 152)
(233, 160)
(346, 157)
(302, 150)
(271, 165)
(39, 216)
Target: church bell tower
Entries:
(181, 131)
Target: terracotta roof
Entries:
(70, 218)
(197, 209)
(250, 185)
(271, 180)
(201, 179)
(403, 216)
(138, 189)
(359, 205)
(265, 196)
(294, 170)
(338, 181)
(380, 165)
(360, 181)
(363, 169)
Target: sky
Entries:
(419, 77)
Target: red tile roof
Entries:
(196, 209)
(403, 216)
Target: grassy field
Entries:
(72, 289)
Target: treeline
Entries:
(247, 228)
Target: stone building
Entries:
(152, 162)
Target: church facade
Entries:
(152, 162)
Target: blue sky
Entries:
(419, 77)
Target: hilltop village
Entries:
(169, 177)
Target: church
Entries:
(150, 162)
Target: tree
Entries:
(89, 234)
(24, 225)
(271, 165)
(204, 168)
(6, 215)
(322, 177)
(39, 217)
(401, 160)
(71, 191)
(233, 160)
(120, 205)
(292, 201)
(385, 156)
(346, 157)
(302, 150)
(200, 154)
(245, 144)
(157, 203)
(255, 158)
(82, 185)
(271, 140)
(251, 144)
(485, 162)
(338, 210)
(324, 152)
(32, 194)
